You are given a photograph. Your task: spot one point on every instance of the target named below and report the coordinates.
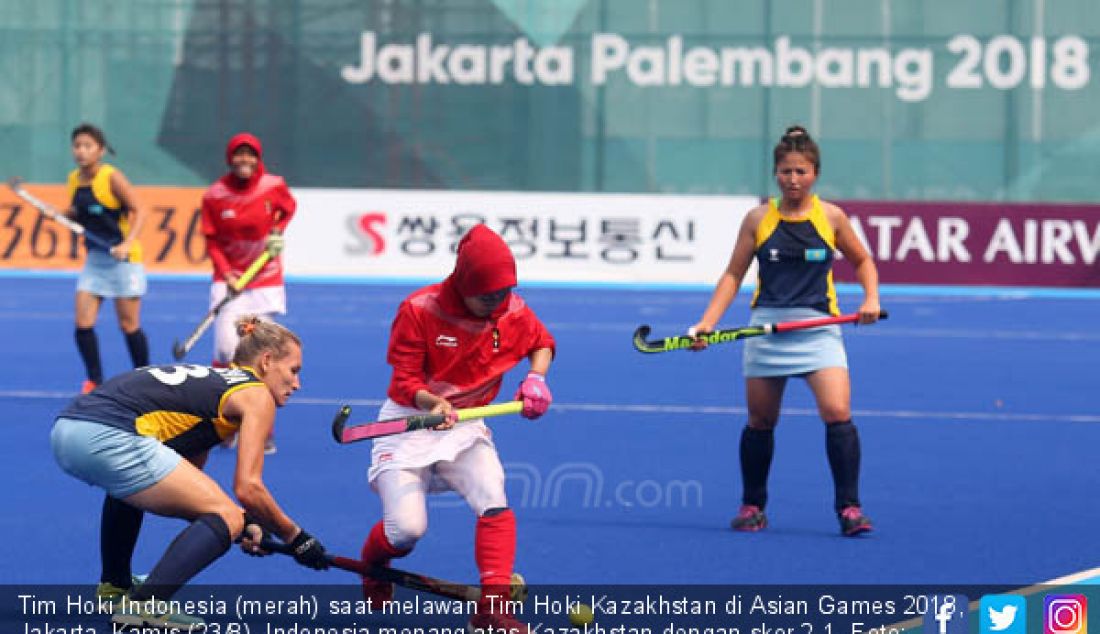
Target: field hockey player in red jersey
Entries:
(450, 345)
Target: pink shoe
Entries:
(749, 519)
(853, 522)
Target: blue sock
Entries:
(88, 345)
(119, 526)
(138, 345)
(206, 539)
(757, 449)
(842, 445)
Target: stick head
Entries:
(15, 182)
(640, 337)
(178, 351)
(338, 423)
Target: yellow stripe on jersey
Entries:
(830, 292)
(164, 425)
(221, 423)
(101, 186)
(772, 218)
(821, 223)
(769, 223)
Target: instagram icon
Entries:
(1065, 614)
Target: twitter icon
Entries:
(1003, 614)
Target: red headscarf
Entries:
(230, 180)
(485, 264)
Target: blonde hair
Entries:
(258, 336)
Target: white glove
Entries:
(275, 243)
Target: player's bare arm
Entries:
(730, 281)
(124, 191)
(848, 243)
(255, 409)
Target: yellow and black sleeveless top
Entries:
(179, 405)
(100, 211)
(795, 260)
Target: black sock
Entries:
(88, 345)
(118, 532)
(757, 448)
(842, 445)
(138, 345)
(206, 539)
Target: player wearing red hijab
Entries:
(450, 344)
(239, 213)
(245, 213)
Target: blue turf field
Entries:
(978, 423)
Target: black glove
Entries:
(308, 551)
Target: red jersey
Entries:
(458, 357)
(438, 345)
(237, 217)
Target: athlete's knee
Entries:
(129, 323)
(835, 412)
(488, 497)
(404, 532)
(763, 421)
(217, 525)
(233, 516)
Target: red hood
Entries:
(238, 140)
(485, 264)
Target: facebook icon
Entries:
(947, 614)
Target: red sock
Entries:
(495, 551)
(377, 550)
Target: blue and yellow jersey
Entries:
(100, 211)
(795, 260)
(179, 405)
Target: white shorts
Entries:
(423, 448)
(266, 301)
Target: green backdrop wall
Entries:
(933, 99)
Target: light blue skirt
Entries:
(104, 276)
(118, 461)
(792, 353)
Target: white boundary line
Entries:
(706, 410)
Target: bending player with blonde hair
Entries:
(129, 437)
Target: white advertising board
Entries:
(556, 237)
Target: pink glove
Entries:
(535, 395)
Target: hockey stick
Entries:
(179, 350)
(412, 580)
(684, 342)
(377, 429)
(48, 210)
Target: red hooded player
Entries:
(245, 213)
(240, 212)
(449, 347)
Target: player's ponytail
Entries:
(258, 336)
